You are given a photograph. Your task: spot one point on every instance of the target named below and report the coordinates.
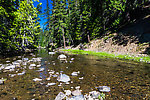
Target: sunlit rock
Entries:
(63, 78)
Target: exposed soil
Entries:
(133, 39)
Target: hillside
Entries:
(133, 39)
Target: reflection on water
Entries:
(127, 80)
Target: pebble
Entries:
(50, 84)
(32, 65)
(51, 53)
(37, 79)
(21, 73)
(103, 88)
(2, 81)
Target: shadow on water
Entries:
(127, 80)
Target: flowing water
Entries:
(128, 80)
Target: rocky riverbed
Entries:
(57, 76)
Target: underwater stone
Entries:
(60, 96)
(103, 88)
(63, 78)
(37, 79)
(76, 92)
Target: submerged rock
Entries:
(76, 92)
(103, 88)
(62, 57)
(2, 81)
(79, 97)
(37, 79)
(67, 92)
(60, 96)
(63, 78)
(94, 94)
(40, 69)
(21, 73)
(50, 84)
(10, 67)
(75, 73)
(51, 53)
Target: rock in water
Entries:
(79, 97)
(76, 92)
(51, 53)
(67, 92)
(2, 81)
(63, 78)
(62, 56)
(37, 79)
(103, 88)
(94, 94)
(10, 67)
(60, 96)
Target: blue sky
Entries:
(43, 7)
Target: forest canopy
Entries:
(69, 22)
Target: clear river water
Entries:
(127, 80)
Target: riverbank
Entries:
(145, 59)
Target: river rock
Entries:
(63, 78)
(75, 73)
(21, 73)
(79, 97)
(25, 59)
(40, 69)
(51, 53)
(62, 57)
(94, 94)
(50, 84)
(67, 92)
(37, 79)
(10, 67)
(2, 81)
(103, 88)
(60, 96)
(76, 92)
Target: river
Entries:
(127, 80)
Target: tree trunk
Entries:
(64, 38)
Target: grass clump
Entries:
(108, 55)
